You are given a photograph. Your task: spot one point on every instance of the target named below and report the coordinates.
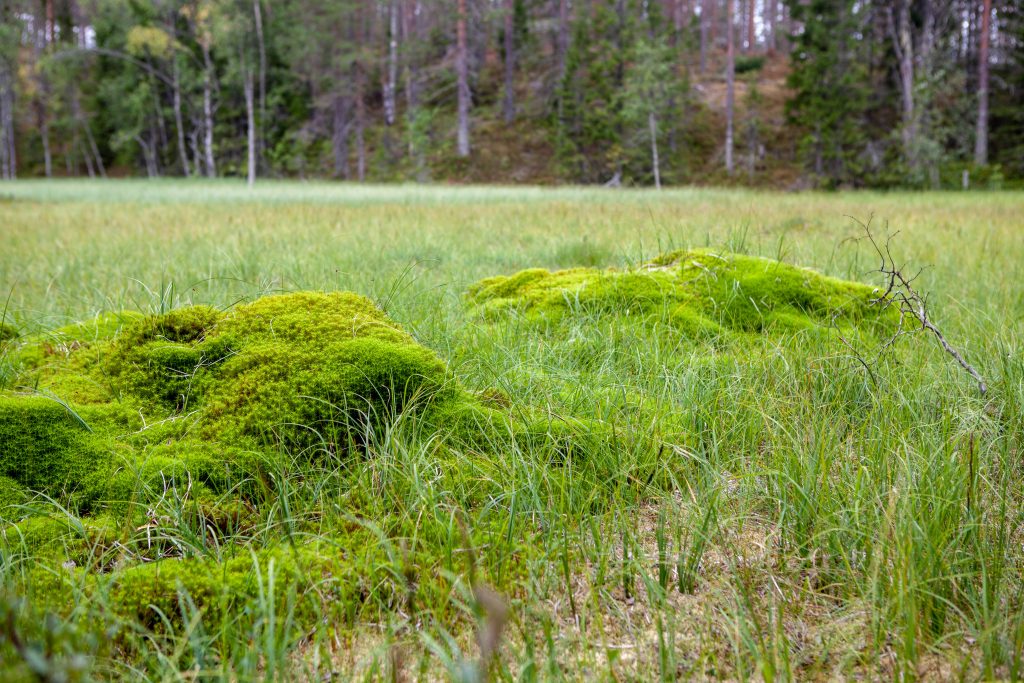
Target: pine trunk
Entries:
(360, 128)
(8, 161)
(903, 44)
(44, 134)
(563, 36)
(705, 26)
(751, 30)
(339, 135)
(359, 73)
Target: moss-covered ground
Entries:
(345, 433)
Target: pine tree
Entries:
(1006, 124)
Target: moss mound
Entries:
(207, 396)
(698, 292)
(43, 445)
(7, 332)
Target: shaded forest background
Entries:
(782, 93)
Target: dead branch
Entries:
(912, 306)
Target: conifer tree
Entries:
(830, 84)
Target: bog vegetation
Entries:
(783, 93)
(313, 432)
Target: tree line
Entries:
(835, 93)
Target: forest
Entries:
(790, 94)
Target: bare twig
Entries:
(899, 293)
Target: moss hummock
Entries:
(699, 292)
(207, 397)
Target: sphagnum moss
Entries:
(191, 394)
(701, 293)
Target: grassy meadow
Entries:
(760, 507)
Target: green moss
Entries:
(318, 576)
(190, 466)
(44, 446)
(11, 493)
(7, 332)
(58, 344)
(504, 286)
(207, 397)
(181, 325)
(305, 396)
(700, 292)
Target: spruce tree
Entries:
(829, 78)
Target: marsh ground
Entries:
(798, 520)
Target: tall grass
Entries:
(797, 519)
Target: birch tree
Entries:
(981, 128)
(730, 85)
(462, 79)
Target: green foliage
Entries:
(588, 123)
(316, 76)
(1006, 123)
(830, 80)
(746, 64)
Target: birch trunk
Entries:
(261, 47)
(95, 150)
(730, 85)
(981, 129)
(391, 77)
(510, 61)
(652, 125)
(250, 119)
(462, 74)
(211, 166)
(178, 125)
